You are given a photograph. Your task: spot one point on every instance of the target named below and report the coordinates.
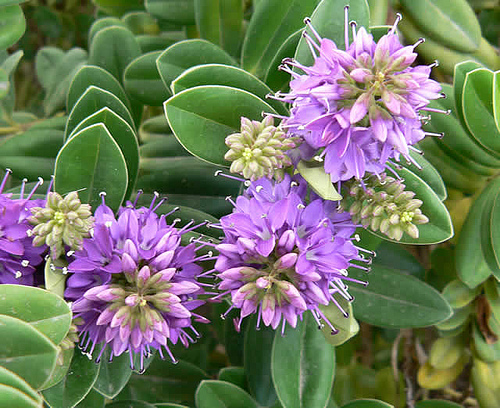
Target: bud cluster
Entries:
(384, 204)
(63, 221)
(259, 149)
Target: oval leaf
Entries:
(367, 403)
(113, 375)
(318, 180)
(8, 378)
(12, 397)
(303, 366)
(12, 25)
(203, 116)
(176, 11)
(91, 161)
(221, 394)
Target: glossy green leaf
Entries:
(140, 22)
(130, 404)
(32, 169)
(45, 311)
(4, 83)
(217, 74)
(13, 397)
(11, 379)
(143, 82)
(150, 43)
(93, 100)
(176, 11)
(460, 71)
(169, 405)
(494, 230)
(221, 394)
(333, 28)
(318, 180)
(186, 54)
(26, 351)
(477, 105)
(396, 257)
(265, 35)
(32, 143)
(455, 27)
(61, 369)
(92, 400)
(12, 25)
(91, 162)
(234, 375)
(496, 99)
(367, 403)
(471, 264)
(114, 375)
(89, 75)
(123, 135)
(75, 385)
(303, 366)
(257, 362)
(346, 326)
(203, 116)
(434, 403)
(393, 299)
(113, 48)
(103, 23)
(491, 253)
(439, 228)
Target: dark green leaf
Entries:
(45, 311)
(113, 375)
(265, 34)
(93, 100)
(436, 404)
(119, 7)
(91, 161)
(303, 366)
(26, 351)
(92, 400)
(75, 385)
(143, 82)
(367, 403)
(257, 355)
(234, 375)
(203, 116)
(103, 23)
(392, 299)
(61, 369)
(150, 43)
(130, 404)
(217, 74)
(11, 379)
(13, 397)
(12, 25)
(186, 54)
(221, 394)
(460, 72)
(176, 11)
(113, 48)
(33, 143)
(89, 75)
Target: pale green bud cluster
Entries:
(383, 204)
(62, 222)
(259, 149)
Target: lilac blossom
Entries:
(358, 108)
(18, 257)
(134, 284)
(281, 257)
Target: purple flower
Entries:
(134, 284)
(18, 257)
(360, 107)
(280, 257)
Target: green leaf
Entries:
(61, 369)
(11, 379)
(220, 22)
(439, 228)
(130, 404)
(140, 22)
(12, 25)
(496, 99)
(494, 230)
(392, 299)
(318, 180)
(89, 75)
(221, 394)
(168, 405)
(46, 59)
(455, 27)
(347, 327)
(303, 366)
(186, 54)
(103, 23)
(122, 134)
(234, 375)
(257, 363)
(434, 403)
(460, 71)
(91, 161)
(471, 264)
(143, 82)
(4, 83)
(93, 100)
(45, 311)
(113, 375)
(176, 11)
(12, 397)
(367, 403)
(150, 43)
(217, 74)
(333, 28)
(488, 228)
(265, 34)
(458, 295)
(113, 48)
(477, 104)
(26, 351)
(118, 7)
(92, 400)
(488, 352)
(75, 385)
(203, 116)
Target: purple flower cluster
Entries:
(18, 257)
(281, 257)
(358, 108)
(134, 285)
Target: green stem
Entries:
(378, 12)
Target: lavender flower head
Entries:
(281, 257)
(18, 256)
(360, 107)
(134, 284)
